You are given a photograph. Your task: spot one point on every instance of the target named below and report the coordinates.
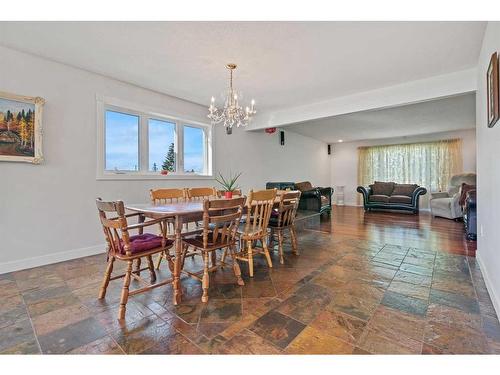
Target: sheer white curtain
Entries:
(429, 164)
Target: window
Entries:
(122, 141)
(137, 144)
(429, 164)
(162, 146)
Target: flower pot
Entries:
(228, 194)
(164, 172)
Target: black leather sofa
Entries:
(318, 199)
(391, 196)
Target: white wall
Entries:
(47, 212)
(488, 156)
(345, 158)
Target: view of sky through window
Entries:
(193, 149)
(122, 141)
(161, 139)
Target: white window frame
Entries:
(145, 114)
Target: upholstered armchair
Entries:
(446, 204)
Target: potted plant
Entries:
(228, 184)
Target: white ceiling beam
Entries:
(410, 92)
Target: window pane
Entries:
(194, 153)
(162, 154)
(122, 141)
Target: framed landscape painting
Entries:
(21, 128)
(493, 102)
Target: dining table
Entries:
(181, 212)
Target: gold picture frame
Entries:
(21, 128)
(492, 95)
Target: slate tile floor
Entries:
(340, 296)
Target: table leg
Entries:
(177, 260)
(140, 219)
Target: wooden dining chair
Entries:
(259, 206)
(124, 247)
(221, 218)
(167, 196)
(201, 193)
(283, 220)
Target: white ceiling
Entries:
(455, 113)
(281, 64)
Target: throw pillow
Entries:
(304, 186)
(382, 188)
(404, 189)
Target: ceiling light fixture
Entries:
(232, 113)
(340, 141)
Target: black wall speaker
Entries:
(282, 137)
(329, 149)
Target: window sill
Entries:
(126, 176)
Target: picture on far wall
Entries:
(492, 91)
(21, 128)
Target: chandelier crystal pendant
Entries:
(232, 113)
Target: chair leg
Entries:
(271, 239)
(206, 278)
(250, 258)
(158, 260)
(293, 234)
(138, 266)
(213, 256)
(266, 252)
(125, 292)
(223, 257)
(236, 266)
(185, 249)
(107, 276)
(280, 246)
(151, 269)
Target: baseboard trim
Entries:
(489, 285)
(43, 260)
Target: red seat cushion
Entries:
(143, 242)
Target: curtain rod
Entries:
(412, 143)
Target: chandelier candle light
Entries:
(232, 113)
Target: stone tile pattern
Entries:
(340, 296)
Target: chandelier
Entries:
(232, 113)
